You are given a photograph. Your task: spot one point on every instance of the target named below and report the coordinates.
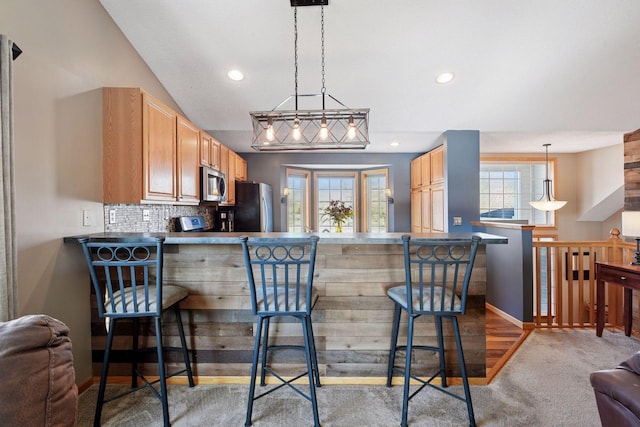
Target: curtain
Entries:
(8, 250)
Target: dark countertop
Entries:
(209, 238)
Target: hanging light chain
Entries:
(295, 50)
(324, 89)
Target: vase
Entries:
(338, 227)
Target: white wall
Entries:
(71, 48)
(601, 176)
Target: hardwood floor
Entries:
(503, 339)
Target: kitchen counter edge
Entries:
(208, 238)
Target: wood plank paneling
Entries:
(352, 319)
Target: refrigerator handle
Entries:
(265, 224)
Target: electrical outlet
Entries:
(112, 216)
(457, 220)
(87, 218)
(145, 215)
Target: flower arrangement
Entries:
(339, 213)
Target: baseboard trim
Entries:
(509, 318)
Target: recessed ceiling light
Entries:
(235, 75)
(445, 77)
(394, 144)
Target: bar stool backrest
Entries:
(437, 273)
(280, 273)
(126, 275)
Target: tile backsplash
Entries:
(161, 218)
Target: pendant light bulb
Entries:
(324, 131)
(295, 133)
(352, 131)
(270, 134)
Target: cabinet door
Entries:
(241, 168)
(416, 211)
(205, 149)
(159, 151)
(231, 180)
(416, 173)
(215, 154)
(437, 208)
(437, 165)
(224, 168)
(425, 167)
(425, 196)
(188, 161)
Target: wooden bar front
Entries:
(352, 319)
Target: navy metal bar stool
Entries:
(437, 275)
(127, 279)
(280, 273)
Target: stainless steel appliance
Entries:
(213, 185)
(254, 207)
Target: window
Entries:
(298, 201)
(336, 186)
(376, 211)
(363, 190)
(507, 187)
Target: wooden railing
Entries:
(565, 286)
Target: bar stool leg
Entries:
(463, 371)
(161, 372)
(394, 343)
(407, 372)
(312, 388)
(103, 374)
(134, 352)
(443, 363)
(183, 341)
(254, 370)
(314, 356)
(265, 351)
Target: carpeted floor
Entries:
(546, 383)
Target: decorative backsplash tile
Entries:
(161, 218)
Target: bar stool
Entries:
(280, 273)
(127, 279)
(432, 278)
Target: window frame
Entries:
(342, 173)
(366, 202)
(552, 216)
(306, 220)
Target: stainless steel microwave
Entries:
(213, 185)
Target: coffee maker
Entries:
(224, 220)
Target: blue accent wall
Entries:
(462, 178)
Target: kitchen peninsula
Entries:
(352, 319)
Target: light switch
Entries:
(457, 220)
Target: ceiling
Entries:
(526, 72)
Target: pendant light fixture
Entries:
(321, 129)
(547, 202)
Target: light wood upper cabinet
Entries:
(214, 151)
(427, 192)
(224, 168)
(205, 149)
(241, 168)
(139, 148)
(188, 162)
(437, 165)
(150, 154)
(416, 173)
(209, 151)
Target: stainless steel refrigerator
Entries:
(254, 207)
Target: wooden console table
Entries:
(622, 274)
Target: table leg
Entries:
(599, 307)
(626, 312)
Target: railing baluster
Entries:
(553, 272)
